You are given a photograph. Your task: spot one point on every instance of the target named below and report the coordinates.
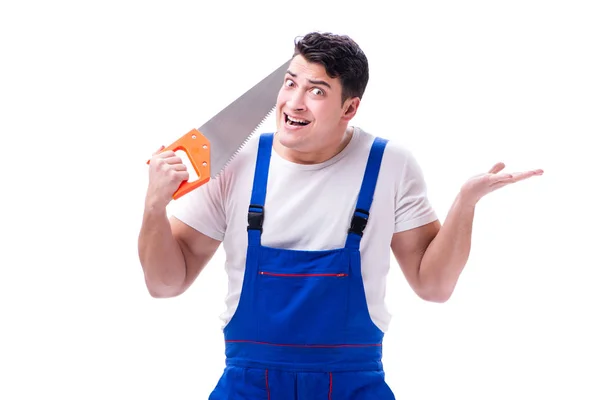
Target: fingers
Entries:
(164, 154)
(167, 156)
(173, 172)
(497, 168)
(519, 176)
(178, 166)
(173, 159)
(168, 161)
(506, 178)
(181, 175)
(173, 163)
(501, 178)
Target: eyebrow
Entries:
(314, 82)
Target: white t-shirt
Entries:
(309, 207)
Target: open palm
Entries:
(480, 185)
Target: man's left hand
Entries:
(480, 185)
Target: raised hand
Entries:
(167, 172)
(480, 185)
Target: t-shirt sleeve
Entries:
(203, 209)
(413, 208)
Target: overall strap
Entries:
(365, 196)
(259, 189)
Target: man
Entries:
(307, 217)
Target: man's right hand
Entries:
(171, 253)
(166, 173)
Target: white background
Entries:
(88, 90)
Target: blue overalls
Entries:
(302, 330)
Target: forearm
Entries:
(160, 254)
(447, 255)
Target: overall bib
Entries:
(302, 330)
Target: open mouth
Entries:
(295, 121)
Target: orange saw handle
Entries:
(197, 148)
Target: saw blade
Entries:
(230, 129)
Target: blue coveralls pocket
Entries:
(363, 385)
(241, 384)
(302, 303)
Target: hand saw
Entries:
(214, 144)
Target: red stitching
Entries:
(303, 275)
(267, 384)
(305, 345)
(330, 385)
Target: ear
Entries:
(350, 108)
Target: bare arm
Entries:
(172, 254)
(433, 256)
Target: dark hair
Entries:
(340, 56)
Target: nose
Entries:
(296, 101)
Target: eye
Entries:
(288, 83)
(317, 92)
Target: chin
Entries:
(287, 139)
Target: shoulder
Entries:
(240, 165)
(245, 155)
(397, 157)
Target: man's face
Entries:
(310, 114)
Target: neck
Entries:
(313, 156)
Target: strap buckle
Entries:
(256, 217)
(359, 222)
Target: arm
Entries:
(172, 254)
(433, 256)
